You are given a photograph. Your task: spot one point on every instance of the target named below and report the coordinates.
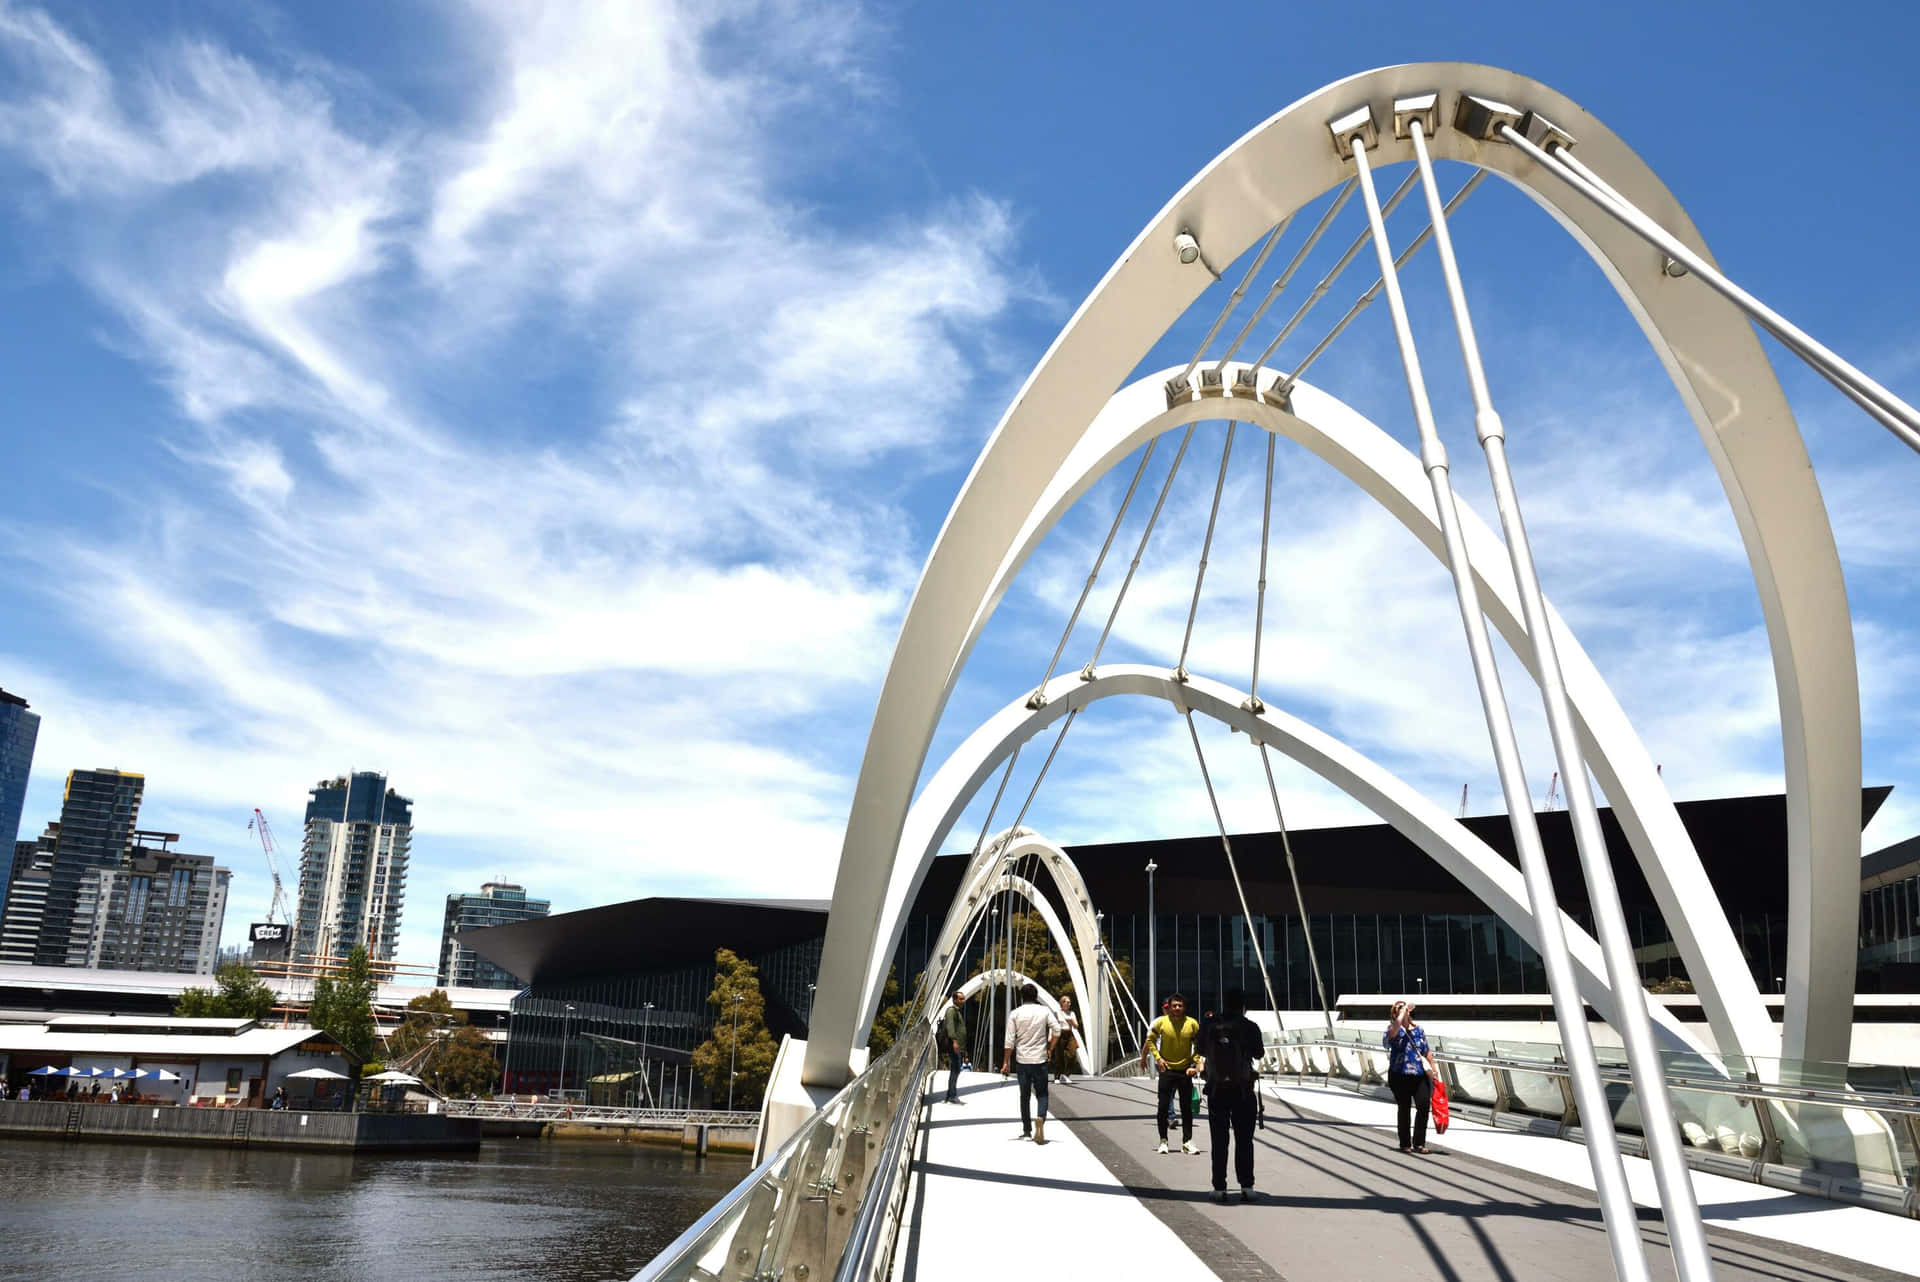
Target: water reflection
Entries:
(556, 1211)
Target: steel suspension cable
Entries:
(1133, 568)
(1093, 574)
(1293, 874)
(1692, 1260)
(1260, 595)
(1373, 291)
(1281, 281)
(1333, 274)
(1603, 1146)
(1893, 413)
(1255, 706)
(1233, 866)
(1206, 549)
(1239, 292)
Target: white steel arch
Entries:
(1081, 947)
(961, 917)
(1476, 865)
(1709, 350)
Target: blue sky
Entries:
(553, 407)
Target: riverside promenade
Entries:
(233, 1127)
(1338, 1200)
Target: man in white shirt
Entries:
(1031, 1033)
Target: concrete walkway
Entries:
(1341, 1202)
(985, 1202)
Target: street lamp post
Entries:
(566, 1021)
(646, 1026)
(993, 990)
(1153, 943)
(733, 1051)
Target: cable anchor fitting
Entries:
(1356, 124)
(1037, 700)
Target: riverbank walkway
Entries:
(1338, 1201)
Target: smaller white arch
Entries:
(1002, 977)
(1491, 879)
(1084, 946)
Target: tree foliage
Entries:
(342, 1007)
(238, 993)
(893, 1013)
(435, 1043)
(740, 1040)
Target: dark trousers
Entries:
(1231, 1112)
(953, 1072)
(1174, 1081)
(1033, 1081)
(1412, 1093)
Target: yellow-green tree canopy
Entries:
(740, 1043)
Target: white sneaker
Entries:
(1189, 1147)
(1066, 1081)
(1162, 1148)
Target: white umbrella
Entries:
(318, 1074)
(395, 1075)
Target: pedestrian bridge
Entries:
(1737, 1151)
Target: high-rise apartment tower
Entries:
(353, 868)
(19, 729)
(498, 903)
(97, 819)
(161, 910)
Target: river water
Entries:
(557, 1211)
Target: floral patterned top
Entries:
(1408, 1047)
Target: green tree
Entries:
(428, 1020)
(740, 1038)
(238, 993)
(342, 1007)
(462, 1063)
(435, 1044)
(893, 1013)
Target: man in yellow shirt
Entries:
(1170, 1043)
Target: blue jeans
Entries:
(1033, 1081)
(953, 1073)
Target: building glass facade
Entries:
(617, 1050)
(498, 903)
(353, 868)
(19, 731)
(98, 816)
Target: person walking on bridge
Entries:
(1031, 1033)
(953, 1031)
(1410, 1076)
(1170, 1043)
(1069, 1041)
(1229, 1045)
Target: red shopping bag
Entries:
(1439, 1107)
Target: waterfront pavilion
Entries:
(221, 1063)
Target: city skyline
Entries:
(562, 431)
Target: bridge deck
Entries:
(1340, 1201)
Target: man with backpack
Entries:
(1229, 1046)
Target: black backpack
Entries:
(1229, 1063)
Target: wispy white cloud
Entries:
(586, 644)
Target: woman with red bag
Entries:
(1411, 1075)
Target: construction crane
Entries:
(278, 911)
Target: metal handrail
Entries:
(1838, 1097)
(865, 1239)
(501, 1110)
(657, 1268)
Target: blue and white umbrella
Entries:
(131, 1072)
(48, 1071)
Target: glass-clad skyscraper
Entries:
(19, 729)
(98, 817)
(498, 903)
(353, 868)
